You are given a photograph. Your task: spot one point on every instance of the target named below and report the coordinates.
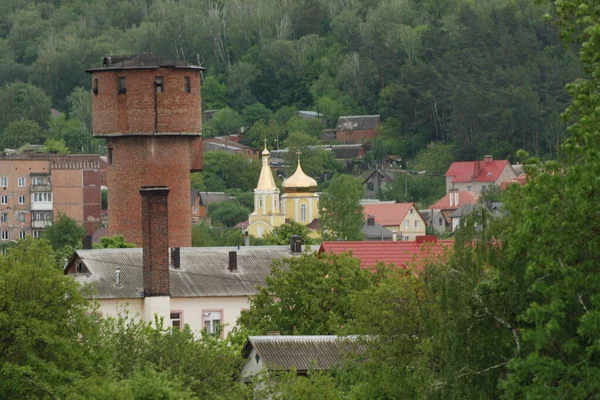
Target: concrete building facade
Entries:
(149, 110)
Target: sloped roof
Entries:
(284, 353)
(207, 198)
(390, 176)
(464, 197)
(476, 171)
(465, 210)
(376, 232)
(204, 271)
(519, 180)
(388, 214)
(400, 254)
(357, 122)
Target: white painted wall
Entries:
(192, 309)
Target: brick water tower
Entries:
(148, 109)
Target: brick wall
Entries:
(155, 220)
(133, 112)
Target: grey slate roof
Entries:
(141, 61)
(204, 271)
(207, 198)
(465, 210)
(284, 353)
(376, 232)
(357, 122)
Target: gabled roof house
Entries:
(476, 176)
(401, 218)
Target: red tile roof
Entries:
(388, 214)
(463, 198)
(399, 253)
(476, 171)
(520, 180)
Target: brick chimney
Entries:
(477, 169)
(487, 159)
(155, 237)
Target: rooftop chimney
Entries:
(176, 257)
(477, 170)
(155, 237)
(233, 261)
(296, 244)
(87, 242)
(451, 198)
(456, 198)
(370, 220)
(488, 159)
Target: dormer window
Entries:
(122, 85)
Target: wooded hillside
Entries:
(485, 75)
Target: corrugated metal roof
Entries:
(204, 271)
(284, 353)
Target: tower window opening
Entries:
(303, 212)
(188, 84)
(109, 156)
(159, 84)
(122, 85)
(95, 86)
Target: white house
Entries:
(209, 286)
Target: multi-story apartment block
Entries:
(34, 188)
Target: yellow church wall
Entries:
(292, 207)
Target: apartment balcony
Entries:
(40, 224)
(40, 188)
(41, 206)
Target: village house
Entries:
(376, 179)
(442, 210)
(201, 201)
(203, 287)
(301, 354)
(357, 129)
(477, 176)
(229, 144)
(403, 219)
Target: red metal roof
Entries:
(399, 253)
(463, 198)
(388, 214)
(476, 171)
(520, 180)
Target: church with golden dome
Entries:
(299, 203)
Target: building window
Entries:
(370, 186)
(276, 203)
(469, 188)
(21, 234)
(195, 210)
(37, 180)
(95, 86)
(417, 224)
(122, 85)
(212, 322)
(406, 238)
(21, 181)
(3, 181)
(483, 187)
(3, 199)
(4, 235)
(440, 223)
(188, 84)
(36, 234)
(411, 211)
(4, 217)
(303, 213)
(406, 224)
(159, 84)
(41, 197)
(109, 155)
(260, 202)
(21, 199)
(176, 319)
(21, 216)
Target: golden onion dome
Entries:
(300, 182)
(265, 152)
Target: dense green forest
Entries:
(485, 76)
